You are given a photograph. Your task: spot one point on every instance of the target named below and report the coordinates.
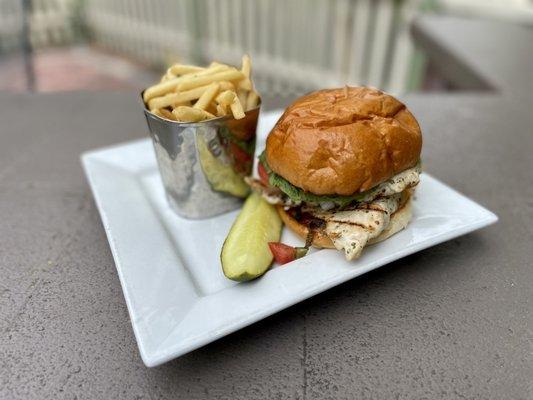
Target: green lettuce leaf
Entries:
(297, 194)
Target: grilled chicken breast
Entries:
(351, 230)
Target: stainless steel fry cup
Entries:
(202, 164)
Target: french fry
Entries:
(160, 89)
(167, 77)
(207, 96)
(211, 108)
(167, 114)
(245, 84)
(242, 95)
(163, 113)
(163, 101)
(201, 93)
(189, 114)
(157, 111)
(182, 69)
(170, 85)
(173, 98)
(206, 71)
(216, 64)
(246, 67)
(221, 110)
(226, 97)
(236, 109)
(181, 103)
(190, 83)
(226, 85)
(252, 101)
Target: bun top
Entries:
(343, 141)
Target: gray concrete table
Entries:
(453, 321)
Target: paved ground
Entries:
(75, 68)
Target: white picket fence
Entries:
(50, 23)
(296, 45)
(10, 24)
(154, 32)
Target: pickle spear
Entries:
(245, 254)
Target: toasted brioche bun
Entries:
(343, 141)
(398, 221)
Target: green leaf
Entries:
(296, 194)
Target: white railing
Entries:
(155, 32)
(296, 45)
(10, 24)
(50, 23)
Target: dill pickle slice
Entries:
(220, 176)
(245, 254)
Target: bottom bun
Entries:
(398, 221)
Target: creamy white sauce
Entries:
(397, 184)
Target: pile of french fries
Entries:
(188, 93)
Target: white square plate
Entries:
(177, 297)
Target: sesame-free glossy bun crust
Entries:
(343, 141)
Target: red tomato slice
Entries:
(240, 155)
(263, 175)
(282, 253)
